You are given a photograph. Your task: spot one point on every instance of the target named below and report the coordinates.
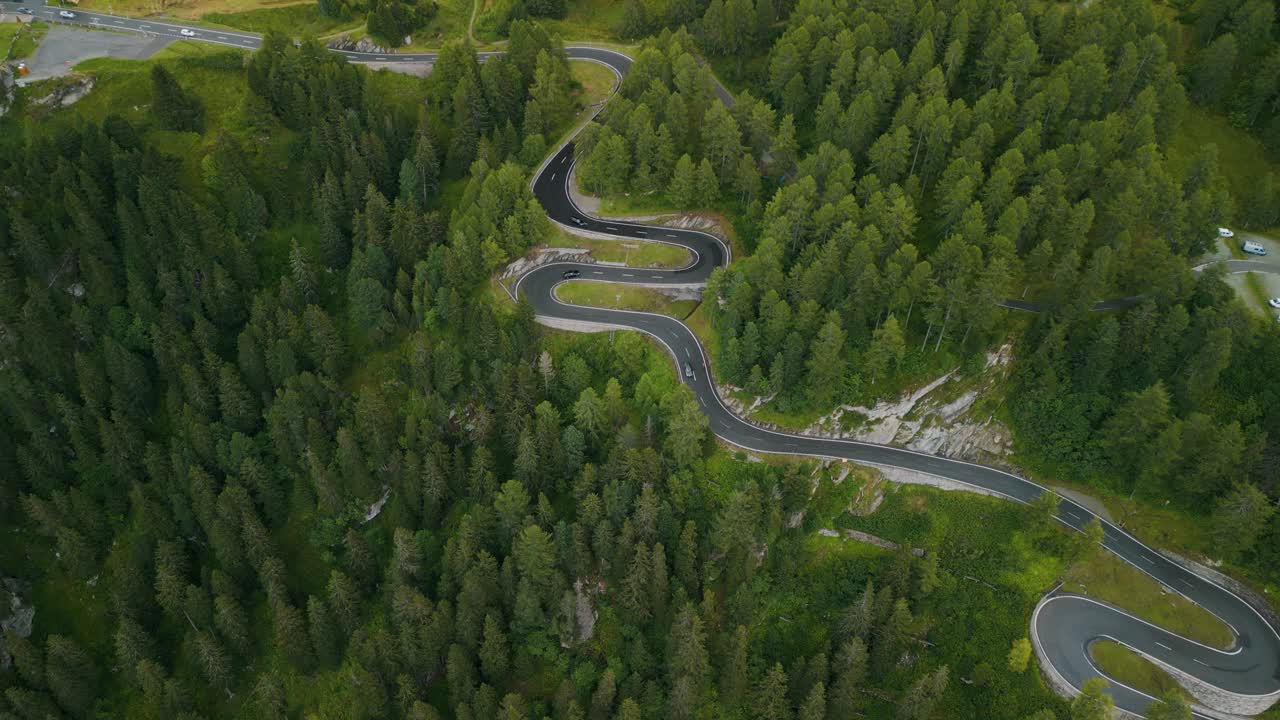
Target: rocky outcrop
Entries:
(363, 45)
(869, 539)
(73, 89)
(943, 417)
(545, 256)
(8, 88)
(15, 614)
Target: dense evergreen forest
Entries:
(938, 157)
(276, 449)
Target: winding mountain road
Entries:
(1063, 625)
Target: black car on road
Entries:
(571, 274)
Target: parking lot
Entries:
(64, 47)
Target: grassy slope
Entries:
(183, 8)
(1111, 580)
(623, 297)
(300, 20)
(1242, 159)
(589, 20)
(597, 81)
(992, 576)
(20, 40)
(1132, 669)
(635, 254)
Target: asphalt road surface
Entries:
(1064, 626)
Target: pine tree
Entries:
(1019, 655)
(684, 183)
(213, 660)
(603, 697)
(707, 186)
(494, 653)
(1170, 706)
(815, 705)
(886, 350)
(175, 107)
(323, 632)
(70, 675)
(826, 362)
(770, 701)
(1092, 703)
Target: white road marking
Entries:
(655, 276)
(670, 235)
(1200, 661)
(610, 227)
(686, 352)
(1166, 647)
(553, 176)
(1184, 582)
(627, 275)
(1149, 560)
(639, 232)
(596, 272)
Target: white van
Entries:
(1253, 248)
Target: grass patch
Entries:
(21, 39)
(1130, 668)
(655, 203)
(597, 81)
(633, 254)
(623, 297)
(802, 418)
(301, 20)
(699, 321)
(1107, 578)
(183, 9)
(124, 86)
(1257, 293)
(1242, 158)
(589, 20)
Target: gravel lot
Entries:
(63, 48)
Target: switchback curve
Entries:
(1063, 626)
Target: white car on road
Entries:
(66, 14)
(1225, 232)
(1274, 302)
(184, 32)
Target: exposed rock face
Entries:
(941, 418)
(15, 615)
(869, 539)
(67, 93)
(363, 45)
(543, 256)
(8, 88)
